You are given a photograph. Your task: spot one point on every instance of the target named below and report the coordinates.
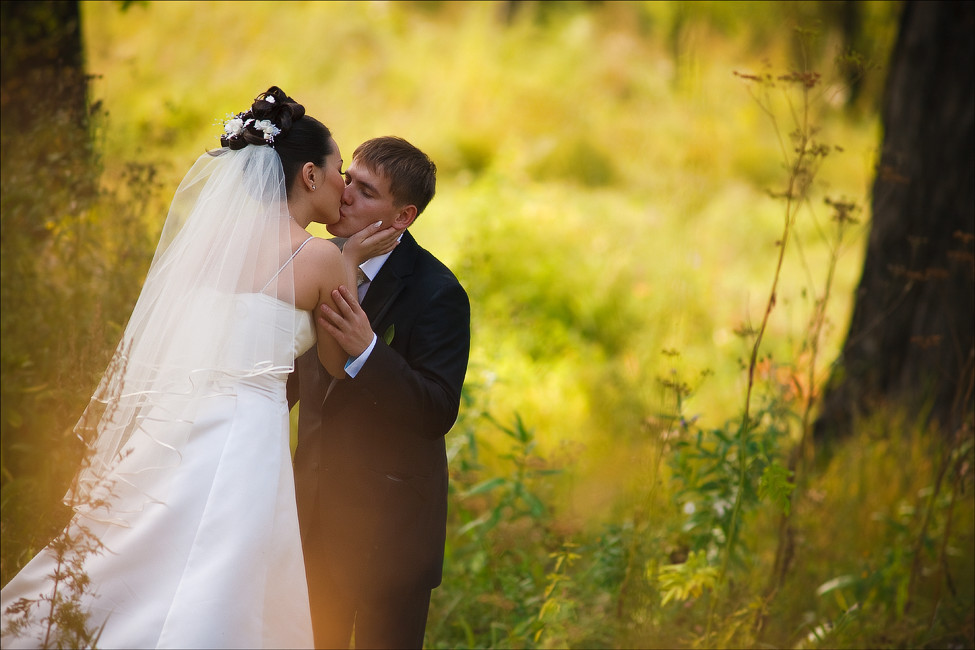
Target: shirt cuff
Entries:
(354, 364)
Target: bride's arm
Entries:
(341, 269)
(330, 272)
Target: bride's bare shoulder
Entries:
(317, 269)
(319, 249)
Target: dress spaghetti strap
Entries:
(287, 262)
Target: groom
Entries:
(371, 466)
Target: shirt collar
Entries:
(372, 265)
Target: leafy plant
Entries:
(689, 579)
(62, 614)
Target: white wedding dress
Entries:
(215, 559)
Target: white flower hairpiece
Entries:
(234, 125)
(270, 130)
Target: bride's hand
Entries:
(370, 242)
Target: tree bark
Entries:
(910, 342)
(42, 52)
(44, 117)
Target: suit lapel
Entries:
(391, 280)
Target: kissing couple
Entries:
(205, 533)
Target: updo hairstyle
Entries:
(298, 138)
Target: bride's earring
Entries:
(313, 188)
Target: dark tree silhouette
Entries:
(48, 175)
(910, 342)
(44, 115)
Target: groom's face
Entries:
(365, 201)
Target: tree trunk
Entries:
(44, 117)
(910, 342)
(48, 176)
(42, 54)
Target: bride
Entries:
(187, 496)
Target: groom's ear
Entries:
(404, 218)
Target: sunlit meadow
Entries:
(603, 188)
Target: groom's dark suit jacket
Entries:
(371, 466)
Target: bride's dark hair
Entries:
(300, 138)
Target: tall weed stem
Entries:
(801, 163)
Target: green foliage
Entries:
(516, 578)
(558, 609)
(776, 486)
(886, 582)
(705, 466)
(490, 519)
(74, 254)
(603, 195)
(590, 158)
(61, 614)
(688, 579)
(60, 618)
(575, 160)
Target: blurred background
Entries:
(662, 212)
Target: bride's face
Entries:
(328, 197)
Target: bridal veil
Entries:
(225, 242)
